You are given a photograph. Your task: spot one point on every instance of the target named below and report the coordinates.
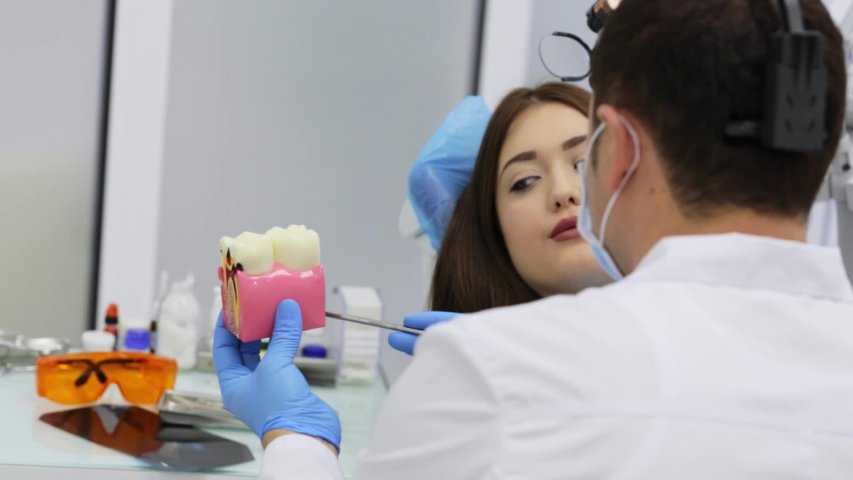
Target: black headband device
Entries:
(796, 83)
(795, 88)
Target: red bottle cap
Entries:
(112, 315)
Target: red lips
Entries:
(565, 229)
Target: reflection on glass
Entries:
(142, 434)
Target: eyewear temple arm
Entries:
(96, 368)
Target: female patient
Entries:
(512, 238)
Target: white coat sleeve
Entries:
(441, 419)
(299, 457)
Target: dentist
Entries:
(725, 351)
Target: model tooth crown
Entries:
(295, 247)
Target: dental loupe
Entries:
(568, 56)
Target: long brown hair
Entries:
(473, 270)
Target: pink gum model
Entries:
(249, 301)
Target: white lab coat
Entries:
(720, 357)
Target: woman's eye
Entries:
(523, 184)
(576, 164)
(573, 162)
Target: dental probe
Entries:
(374, 323)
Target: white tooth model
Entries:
(259, 270)
(296, 247)
(253, 251)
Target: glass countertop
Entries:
(26, 441)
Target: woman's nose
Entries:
(565, 194)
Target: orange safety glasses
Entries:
(82, 377)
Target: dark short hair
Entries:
(473, 270)
(686, 68)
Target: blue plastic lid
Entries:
(137, 339)
(314, 350)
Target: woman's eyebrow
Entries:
(529, 155)
(573, 142)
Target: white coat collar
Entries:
(748, 261)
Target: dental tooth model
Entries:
(260, 270)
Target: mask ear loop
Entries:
(572, 37)
(584, 166)
(634, 164)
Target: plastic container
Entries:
(137, 340)
(152, 329)
(314, 350)
(111, 323)
(177, 327)
(98, 341)
(205, 343)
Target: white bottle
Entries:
(177, 327)
(205, 343)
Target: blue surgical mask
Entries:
(585, 228)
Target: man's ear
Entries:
(623, 146)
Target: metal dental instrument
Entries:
(374, 323)
(19, 353)
(199, 409)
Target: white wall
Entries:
(505, 48)
(306, 112)
(52, 52)
(564, 16)
(141, 48)
(511, 35)
(842, 12)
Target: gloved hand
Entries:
(272, 393)
(405, 342)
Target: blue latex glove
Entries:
(405, 342)
(443, 168)
(272, 393)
